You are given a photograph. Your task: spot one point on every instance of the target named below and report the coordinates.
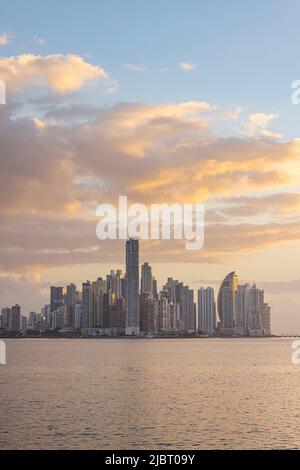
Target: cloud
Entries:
(52, 177)
(186, 66)
(257, 125)
(280, 204)
(29, 293)
(39, 40)
(56, 167)
(134, 68)
(62, 74)
(152, 152)
(5, 38)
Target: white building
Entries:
(206, 310)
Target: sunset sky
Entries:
(163, 101)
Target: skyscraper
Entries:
(87, 305)
(266, 320)
(146, 279)
(226, 303)
(98, 290)
(113, 283)
(56, 297)
(120, 314)
(15, 319)
(6, 314)
(206, 310)
(77, 316)
(154, 288)
(182, 296)
(70, 305)
(132, 287)
(242, 310)
(188, 310)
(256, 306)
(148, 313)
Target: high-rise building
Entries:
(46, 314)
(132, 287)
(87, 320)
(206, 310)
(15, 319)
(56, 297)
(188, 312)
(182, 296)
(6, 314)
(98, 290)
(256, 306)
(23, 323)
(146, 279)
(70, 305)
(242, 310)
(266, 319)
(109, 310)
(114, 283)
(168, 316)
(148, 313)
(226, 303)
(77, 317)
(120, 314)
(154, 288)
(58, 318)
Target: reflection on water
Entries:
(151, 394)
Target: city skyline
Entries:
(158, 116)
(130, 305)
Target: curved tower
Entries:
(226, 303)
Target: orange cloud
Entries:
(63, 74)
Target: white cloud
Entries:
(63, 74)
(134, 68)
(256, 125)
(5, 39)
(39, 40)
(187, 66)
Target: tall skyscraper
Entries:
(56, 297)
(23, 323)
(70, 305)
(146, 279)
(206, 310)
(87, 305)
(256, 306)
(242, 310)
(109, 310)
(77, 316)
(188, 310)
(182, 296)
(120, 314)
(114, 283)
(148, 313)
(154, 288)
(266, 319)
(98, 290)
(6, 314)
(15, 319)
(226, 303)
(132, 287)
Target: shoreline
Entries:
(136, 338)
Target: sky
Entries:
(164, 101)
